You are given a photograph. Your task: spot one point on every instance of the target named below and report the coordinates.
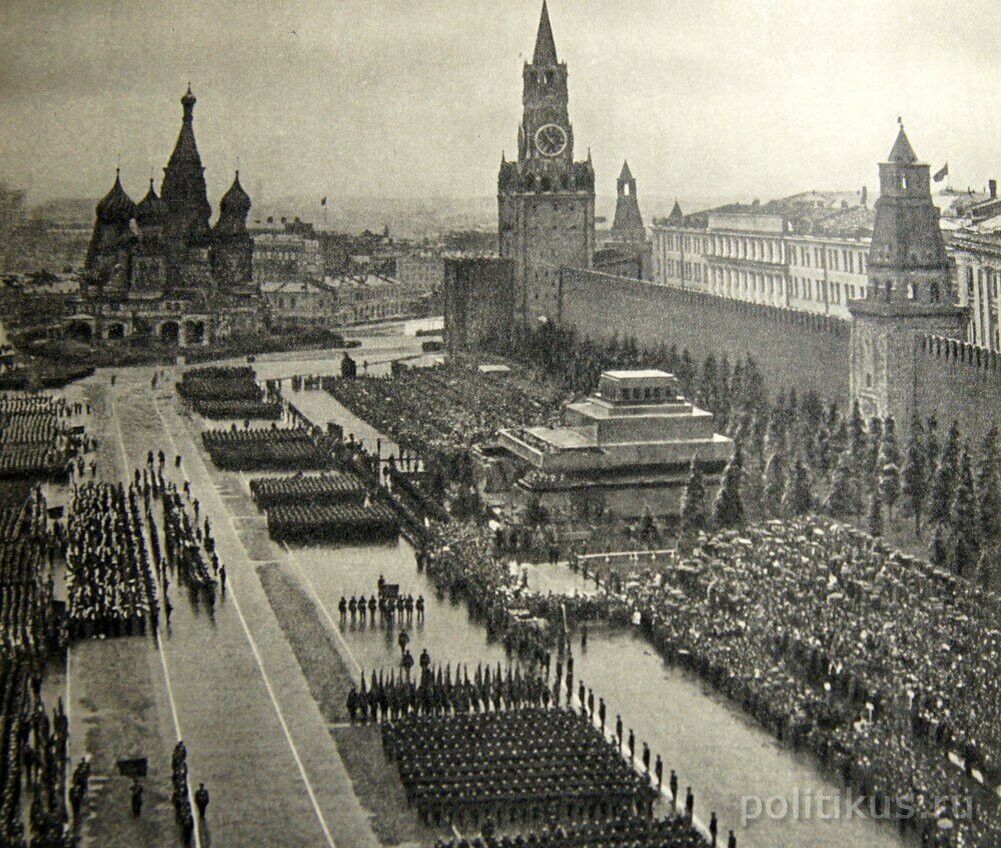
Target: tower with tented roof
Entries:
(910, 290)
(545, 199)
(628, 222)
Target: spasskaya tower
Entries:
(545, 199)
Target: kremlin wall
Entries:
(952, 378)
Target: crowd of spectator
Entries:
(440, 411)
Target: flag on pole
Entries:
(323, 202)
(942, 173)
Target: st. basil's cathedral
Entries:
(158, 268)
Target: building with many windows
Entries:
(342, 300)
(289, 254)
(978, 278)
(810, 252)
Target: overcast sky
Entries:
(416, 98)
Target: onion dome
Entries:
(233, 210)
(188, 101)
(235, 202)
(116, 206)
(151, 210)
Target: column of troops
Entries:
(33, 742)
(230, 392)
(110, 583)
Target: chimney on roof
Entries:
(992, 188)
(865, 196)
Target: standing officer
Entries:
(201, 800)
(137, 798)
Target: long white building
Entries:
(810, 252)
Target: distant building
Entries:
(341, 301)
(287, 255)
(978, 278)
(809, 252)
(423, 268)
(545, 199)
(631, 444)
(804, 252)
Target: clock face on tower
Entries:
(551, 139)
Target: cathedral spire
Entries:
(183, 188)
(545, 45)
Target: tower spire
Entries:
(545, 44)
(902, 152)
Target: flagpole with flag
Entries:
(941, 173)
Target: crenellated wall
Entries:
(956, 379)
(792, 348)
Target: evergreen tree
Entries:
(875, 445)
(876, 515)
(989, 489)
(723, 396)
(890, 446)
(535, 513)
(686, 372)
(839, 441)
(756, 444)
(841, 502)
(775, 484)
(833, 416)
(986, 566)
(728, 510)
(798, 499)
(939, 554)
(857, 439)
(965, 523)
(812, 409)
(693, 504)
(648, 527)
(946, 479)
(889, 468)
(708, 382)
(915, 482)
(889, 487)
(932, 447)
(776, 437)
